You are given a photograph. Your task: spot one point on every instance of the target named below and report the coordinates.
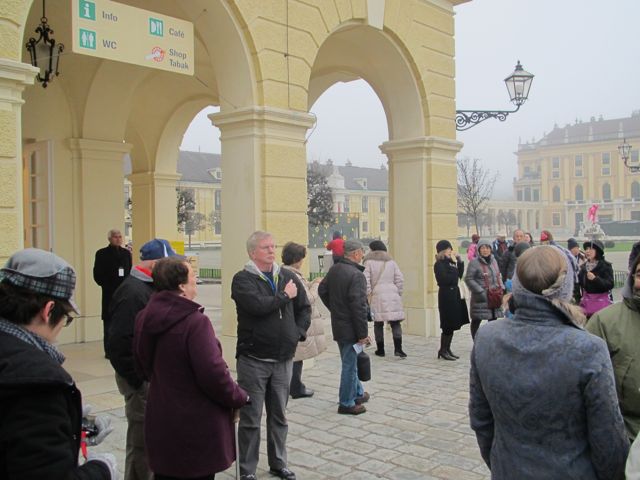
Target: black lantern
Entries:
(624, 150)
(518, 85)
(44, 52)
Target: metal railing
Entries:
(619, 278)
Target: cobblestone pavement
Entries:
(416, 425)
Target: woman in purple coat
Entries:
(188, 423)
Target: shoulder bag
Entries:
(494, 294)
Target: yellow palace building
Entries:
(575, 166)
(134, 73)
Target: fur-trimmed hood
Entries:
(377, 255)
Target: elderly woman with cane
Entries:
(189, 415)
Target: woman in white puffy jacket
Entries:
(384, 291)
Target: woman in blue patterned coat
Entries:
(543, 402)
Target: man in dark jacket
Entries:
(273, 316)
(131, 297)
(635, 251)
(344, 293)
(111, 266)
(40, 406)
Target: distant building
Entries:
(575, 166)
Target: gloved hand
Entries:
(103, 426)
(109, 460)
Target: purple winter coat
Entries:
(188, 422)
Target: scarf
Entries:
(32, 339)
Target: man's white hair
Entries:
(255, 238)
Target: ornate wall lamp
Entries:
(624, 150)
(518, 85)
(45, 52)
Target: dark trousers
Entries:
(296, 387)
(166, 477)
(106, 325)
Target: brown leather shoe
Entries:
(355, 410)
(363, 399)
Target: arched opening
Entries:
(351, 163)
(79, 130)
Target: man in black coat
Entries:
(274, 314)
(111, 266)
(344, 293)
(129, 298)
(40, 406)
(507, 263)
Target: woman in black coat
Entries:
(449, 269)
(595, 277)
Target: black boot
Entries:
(475, 325)
(380, 351)
(445, 340)
(397, 347)
(451, 354)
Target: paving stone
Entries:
(453, 473)
(344, 457)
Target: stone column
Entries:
(422, 210)
(98, 206)
(14, 77)
(153, 202)
(263, 187)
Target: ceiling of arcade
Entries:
(281, 54)
(113, 101)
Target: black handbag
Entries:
(364, 367)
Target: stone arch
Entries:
(355, 50)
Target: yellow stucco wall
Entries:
(264, 62)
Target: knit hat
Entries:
(596, 245)
(572, 243)
(443, 245)
(483, 243)
(156, 249)
(562, 288)
(41, 272)
(520, 247)
(377, 245)
(351, 246)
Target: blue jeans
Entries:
(350, 386)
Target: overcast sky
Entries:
(585, 55)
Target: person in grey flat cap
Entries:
(41, 406)
(344, 293)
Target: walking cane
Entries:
(236, 423)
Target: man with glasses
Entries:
(41, 408)
(273, 316)
(619, 326)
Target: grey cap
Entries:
(352, 245)
(41, 272)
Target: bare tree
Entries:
(475, 187)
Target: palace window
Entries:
(606, 164)
(346, 204)
(579, 193)
(635, 190)
(578, 166)
(556, 194)
(383, 226)
(606, 192)
(383, 204)
(555, 219)
(365, 227)
(555, 167)
(365, 204)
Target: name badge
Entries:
(121, 272)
